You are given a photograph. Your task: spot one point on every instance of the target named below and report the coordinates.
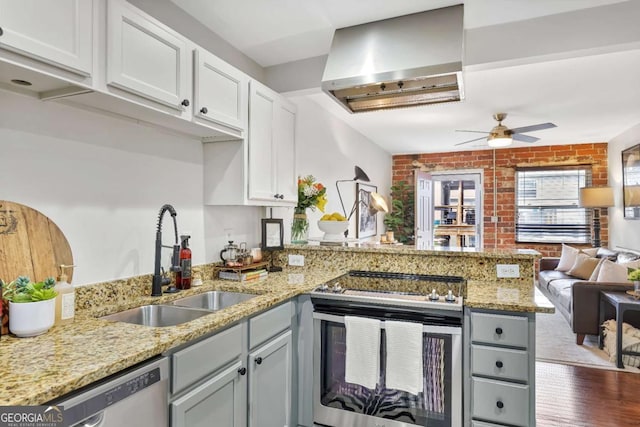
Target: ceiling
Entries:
(591, 97)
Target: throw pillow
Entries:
(583, 266)
(592, 252)
(567, 258)
(612, 272)
(594, 275)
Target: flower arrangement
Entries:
(311, 194)
(23, 290)
(634, 275)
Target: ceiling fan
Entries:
(502, 136)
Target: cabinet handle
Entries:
(185, 102)
(259, 360)
(204, 110)
(1, 31)
(278, 196)
(242, 370)
(499, 404)
(499, 364)
(499, 331)
(281, 196)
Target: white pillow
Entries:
(584, 266)
(567, 258)
(612, 272)
(594, 275)
(592, 252)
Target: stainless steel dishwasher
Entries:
(136, 397)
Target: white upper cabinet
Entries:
(147, 58)
(271, 146)
(220, 92)
(58, 33)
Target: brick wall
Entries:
(502, 234)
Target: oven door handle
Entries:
(451, 330)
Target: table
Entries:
(456, 232)
(622, 302)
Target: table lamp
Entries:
(596, 198)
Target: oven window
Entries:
(431, 407)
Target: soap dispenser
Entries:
(66, 299)
(183, 276)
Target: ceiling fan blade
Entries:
(474, 131)
(524, 138)
(471, 140)
(532, 128)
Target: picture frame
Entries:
(631, 182)
(272, 234)
(366, 222)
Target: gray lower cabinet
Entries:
(270, 383)
(500, 368)
(241, 376)
(220, 401)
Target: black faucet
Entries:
(158, 279)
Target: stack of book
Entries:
(245, 276)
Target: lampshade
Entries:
(377, 203)
(499, 141)
(631, 195)
(596, 197)
(360, 175)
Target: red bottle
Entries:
(183, 277)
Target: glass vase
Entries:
(300, 227)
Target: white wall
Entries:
(328, 149)
(102, 180)
(622, 232)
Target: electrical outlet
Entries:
(508, 270)
(494, 219)
(297, 260)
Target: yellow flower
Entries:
(322, 201)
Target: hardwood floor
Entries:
(577, 396)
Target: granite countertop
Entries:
(507, 297)
(412, 250)
(39, 369)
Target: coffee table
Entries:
(622, 302)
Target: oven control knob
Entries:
(323, 288)
(337, 288)
(433, 296)
(450, 297)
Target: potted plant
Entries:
(31, 305)
(401, 219)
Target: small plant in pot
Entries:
(31, 305)
(634, 276)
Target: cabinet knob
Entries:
(281, 196)
(258, 360)
(499, 364)
(499, 331)
(204, 110)
(185, 102)
(1, 31)
(242, 370)
(499, 404)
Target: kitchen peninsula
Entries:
(69, 357)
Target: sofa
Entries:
(577, 296)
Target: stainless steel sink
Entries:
(157, 315)
(214, 300)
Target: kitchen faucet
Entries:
(158, 279)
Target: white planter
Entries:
(28, 319)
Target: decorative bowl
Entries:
(333, 230)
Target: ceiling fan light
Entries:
(499, 141)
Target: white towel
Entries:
(404, 356)
(362, 364)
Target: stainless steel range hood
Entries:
(400, 62)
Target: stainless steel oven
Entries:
(338, 403)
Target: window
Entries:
(547, 209)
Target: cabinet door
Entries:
(220, 91)
(145, 57)
(221, 401)
(285, 151)
(262, 108)
(270, 383)
(57, 32)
